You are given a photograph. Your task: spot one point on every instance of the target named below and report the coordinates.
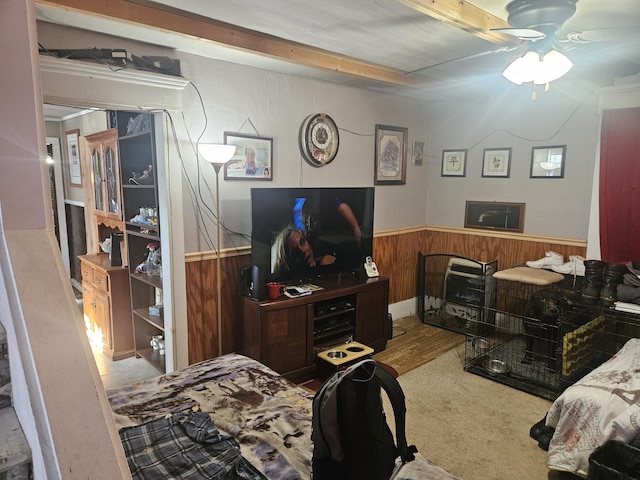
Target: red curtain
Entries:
(620, 185)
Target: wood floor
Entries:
(415, 343)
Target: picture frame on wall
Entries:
(496, 162)
(548, 162)
(494, 216)
(73, 157)
(417, 154)
(454, 163)
(253, 159)
(391, 155)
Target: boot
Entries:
(612, 276)
(592, 281)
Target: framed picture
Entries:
(253, 159)
(548, 162)
(496, 162)
(391, 155)
(494, 216)
(454, 163)
(73, 152)
(417, 153)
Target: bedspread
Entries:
(268, 415)
(603, 405)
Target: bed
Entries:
(265, 414)
(603, 405)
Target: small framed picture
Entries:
(391, 155)
(253, 159)
(454, 163)
(548, 162)
(73, 152)
(496, 162)
(417, 153)
(494, 216)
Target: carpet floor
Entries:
(471, 426)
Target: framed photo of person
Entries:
(454, 163)
(73, 153)
(496, 162)
(253, 159)
(391, 155)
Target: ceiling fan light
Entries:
(522, 69)
(536, 68)
(553, 66)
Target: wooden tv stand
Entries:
(285, 333)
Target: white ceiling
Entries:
(394, 36)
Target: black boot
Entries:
(612, 276)
(592, 281)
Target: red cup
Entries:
(274, 290)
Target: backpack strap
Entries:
(391, 386)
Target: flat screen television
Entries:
(298, 234)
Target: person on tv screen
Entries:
(305, 244)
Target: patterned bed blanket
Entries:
(603, 405)
(268, 415)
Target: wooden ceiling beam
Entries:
(463, 15)
(169, 19)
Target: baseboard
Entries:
(404, 308)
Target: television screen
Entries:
(301, 233)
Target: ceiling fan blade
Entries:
(615, 34)
(460, 59)
(521, 33)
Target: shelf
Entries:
(157, 322)
(151, 236)
(153, 357)
(335, 313)
(133, 186)
(154, 280)
(134, 135)
(332, 333)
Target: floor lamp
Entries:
(217, 155)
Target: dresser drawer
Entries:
(101, 280)
(87, 272)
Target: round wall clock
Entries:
(319, 139)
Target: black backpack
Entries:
(350, 434)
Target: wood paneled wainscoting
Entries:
(395, 253)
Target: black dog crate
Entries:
(545, 338)
(455, 292)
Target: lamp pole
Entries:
(217, 155)
(216, 167)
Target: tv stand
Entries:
(285, 334)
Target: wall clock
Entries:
(319, 139)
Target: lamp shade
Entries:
(537, 68)
(216, 153)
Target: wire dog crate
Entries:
(544, 338)
(453, 291)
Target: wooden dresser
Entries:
(107, 304)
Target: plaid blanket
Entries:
(186, 445)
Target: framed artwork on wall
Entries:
(253, 159)
(454, 163)
(73, 153)
(494, 216)
(391, 155)
(496, 162)
(548, 162)
(417, 154)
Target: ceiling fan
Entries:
(535, 24)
